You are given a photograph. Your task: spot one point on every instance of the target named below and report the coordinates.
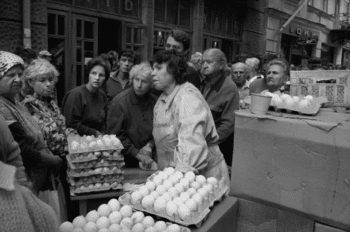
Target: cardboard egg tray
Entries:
(90, 156)
(95, 179)
(96, 163)
(82, 189)
(79, 144)
(92, 172)
(196, 218)
(312, 108)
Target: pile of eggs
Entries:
(174, 195)
(286, 101)
(113, 217)
(78, 144)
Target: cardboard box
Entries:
(333, 84)
(253, 216)
(296, 163)
(222, 217)
(323, 228)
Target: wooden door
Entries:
(132, 39)
(84, 46)
(58, 46)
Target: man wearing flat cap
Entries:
(44, 54)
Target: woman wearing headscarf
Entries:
(183, 126)
(85, 106)
(37, 158)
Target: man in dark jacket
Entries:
(222, 96)
(130, 117)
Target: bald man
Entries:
(240, 75)
(222, 96)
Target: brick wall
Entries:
(11, 29)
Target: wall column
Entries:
(26, 24)
(198, 20)
(148, 21)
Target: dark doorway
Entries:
(109, 35)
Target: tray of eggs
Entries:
(306, 105)
(183, 198)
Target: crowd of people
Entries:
(174, 108)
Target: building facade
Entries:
(310, 35)
(74, 31)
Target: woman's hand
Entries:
(145, 159)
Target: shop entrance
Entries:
(293, 51)
(109, 35)
(73, 46)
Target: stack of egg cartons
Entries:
(94, 163)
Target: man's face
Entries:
(125, 64)
(239, 74)
(211, 64)
(172, 44)
(142, 84)
(275, 76)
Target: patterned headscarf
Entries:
(7, 61)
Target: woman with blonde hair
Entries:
(41, 76)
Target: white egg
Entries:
(147, 201)
(150, 185)
(173, 192)
(171, 208)
(167, 184)
(169, 171)
(161, 189)
(144, 190)
(184, 211)
(201, 179)
(190, 176)
(136, 197)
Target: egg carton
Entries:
(96, 163)
(312, 109)
(90, 156)
(74, 190)
(94, 179)
(196, 217)
(92, 172)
